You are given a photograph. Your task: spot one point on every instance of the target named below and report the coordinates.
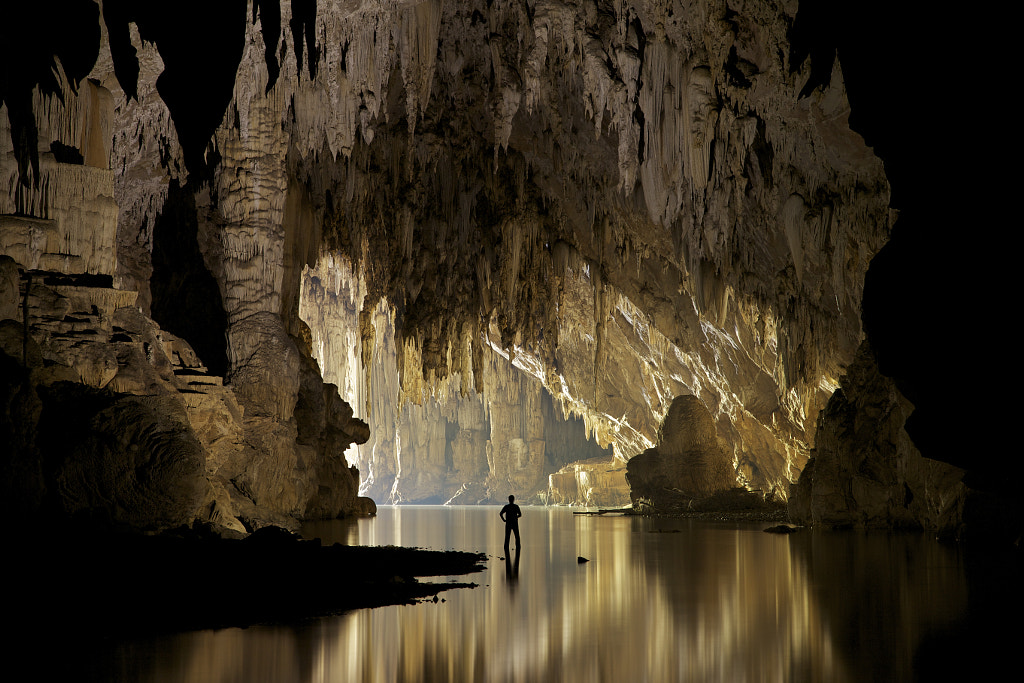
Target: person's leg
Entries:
(515, 529)
(508, 531)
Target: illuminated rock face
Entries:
(454, 444)
(629, 202)
(635, 203)
(688, 462)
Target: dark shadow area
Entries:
(124, 589)
(934, 295)
(66, 154)
(101, 460)
(269, 14)
(985, 643)
(186, 298)
(201, 45)
(959, 623)
(303, 27)
(934, 291)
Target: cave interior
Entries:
(280, 260)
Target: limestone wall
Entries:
(629, 201)
(112, 418)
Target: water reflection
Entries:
(658, 601)
(512, 569)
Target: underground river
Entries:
(656, 600)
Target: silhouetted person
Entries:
(510, 514)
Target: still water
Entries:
(658, 600)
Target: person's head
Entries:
(511, 498)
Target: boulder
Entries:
(593, 482)
(688, 462)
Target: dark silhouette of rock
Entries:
(189, 578)
(865, 470)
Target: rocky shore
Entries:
(124, 586)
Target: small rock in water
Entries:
(581, 560)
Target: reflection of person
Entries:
(510, 514)
(512, 570)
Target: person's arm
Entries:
(502, 514)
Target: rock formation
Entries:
(109, 417)
(625, 291)
(541, 215)
(688, 462)
(449, 442)
(924, 367)
(864, 468)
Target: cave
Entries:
(266, 264)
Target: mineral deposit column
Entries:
(245, 222)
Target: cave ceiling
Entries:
(627, 200)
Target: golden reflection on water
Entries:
(658, 600)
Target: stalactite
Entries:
(589, 193)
